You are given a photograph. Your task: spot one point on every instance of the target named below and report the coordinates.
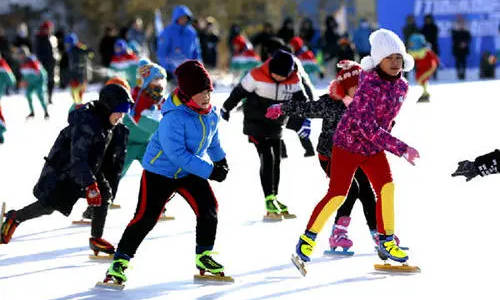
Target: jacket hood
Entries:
(179, 11)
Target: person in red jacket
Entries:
(426, 62)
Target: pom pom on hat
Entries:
(383, 43)
(347, 78)
(148, 71)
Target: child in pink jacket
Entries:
(361, 139)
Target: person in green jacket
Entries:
(34, 77)
(7, 79)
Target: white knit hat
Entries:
(383, 43)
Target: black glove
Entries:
(222, 163)
(224, 114)
(466, 168)
(219, 172)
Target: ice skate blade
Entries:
(109, 285)
(166, 218)
(114, 206)
(333, 252)
(101, 257)
(288, 215)
(272, 217)
(81, 222)
(404, 268)
(213, 278)
(299, 264)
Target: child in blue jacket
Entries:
(174, 162)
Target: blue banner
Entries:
(482, 18)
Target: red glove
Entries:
(93, 195)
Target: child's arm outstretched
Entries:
(483, 165)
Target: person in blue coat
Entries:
(175, 162)
(360, 38)
(178, 41)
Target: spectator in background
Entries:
(106, 45)
(263, 39)
(431, 33)
(461, 38)
(78, 62)
(5, 53)
(234, 31)
(22, 37)
(330, 45)
(45, 50)
(209, 47)
(137, 37)
(310, 35)
(287, 31)
(347, 50)
(178, 41)
(360, 38)
(409, 28)
(63, 62)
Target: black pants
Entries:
(49, 67)
(460, 65)
(39, 208)
(360, 189)
(269, 151)
(155, 191)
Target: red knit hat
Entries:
(192, 78)
(296, 43)
(346, 78)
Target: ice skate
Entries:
(86, 217)
(205, 263)
(30, 116)
(273, 214)
(46, 116)
(374, 235)
(425, 98)
(388, 249)
(339, 238)
(164, 217)
(114, 206)
(101, 245)
(284, 211)
(9, 225)
(2, 214)
(303, 250)
(115, 276)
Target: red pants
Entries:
(343, 167)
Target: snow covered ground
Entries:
(451, 226)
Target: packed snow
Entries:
(450, 226)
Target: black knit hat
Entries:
(281, 63)
(192, 78)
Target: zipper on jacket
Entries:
(152, 161)
(276, 94)
(204, 132)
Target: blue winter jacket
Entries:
(184, 136)
(360, 39)
(178, 43)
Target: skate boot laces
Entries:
(206, 262)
